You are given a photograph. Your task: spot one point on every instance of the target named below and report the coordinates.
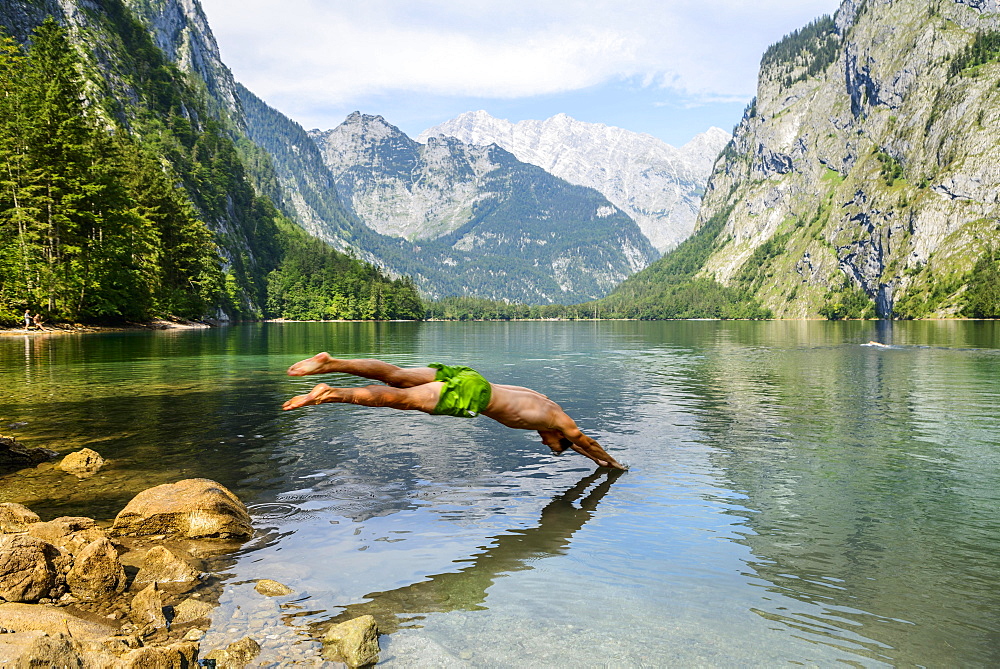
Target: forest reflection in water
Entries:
(794, 495)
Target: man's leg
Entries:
(418, 398)
(398, 377)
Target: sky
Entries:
(670, 68)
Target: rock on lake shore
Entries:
(137, 594)
(80, 328)
(75, 594)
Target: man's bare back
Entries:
(417, 389)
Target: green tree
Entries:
(982, 297)
(91, 226)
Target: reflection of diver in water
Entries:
(466, 590)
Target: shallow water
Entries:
(794, 496)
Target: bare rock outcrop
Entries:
(14, 455)
(16, 517)
(192, 508)
(861, 179)
(97, 573)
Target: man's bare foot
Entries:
(315, 396)
(318, 364)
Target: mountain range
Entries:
(356, 199)
(657, 185)
(859, 182)
(526, 236)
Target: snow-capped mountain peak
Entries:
(657, 184)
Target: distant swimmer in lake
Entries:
(444, 390)
(877, 343)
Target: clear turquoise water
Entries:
(794, 496)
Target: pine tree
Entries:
(16, 238)
(59, 157)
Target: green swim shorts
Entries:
(465, 394)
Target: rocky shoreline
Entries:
(138, 593)
(79, 328)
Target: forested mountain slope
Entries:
(863, 179)
(99, 129)
(287, 168)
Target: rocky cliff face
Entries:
(868, 161)
(402, 188)
(180, 29)
(482, 222)
(657, 185)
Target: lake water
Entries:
(794, 497)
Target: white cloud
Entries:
(332, 51)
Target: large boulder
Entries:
(97, 573)
(237, 655)
(16, 456)
(193, 508)
(29, 568)
(147, 609)
(162, 566)
(354, 642)
(70, 533)
(82, 463)
(16, 517)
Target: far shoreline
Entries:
(164, 324)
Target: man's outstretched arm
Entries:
(587, 447)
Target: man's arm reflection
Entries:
(466, 589)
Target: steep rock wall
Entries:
(876, 170)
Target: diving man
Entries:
(452, 391)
